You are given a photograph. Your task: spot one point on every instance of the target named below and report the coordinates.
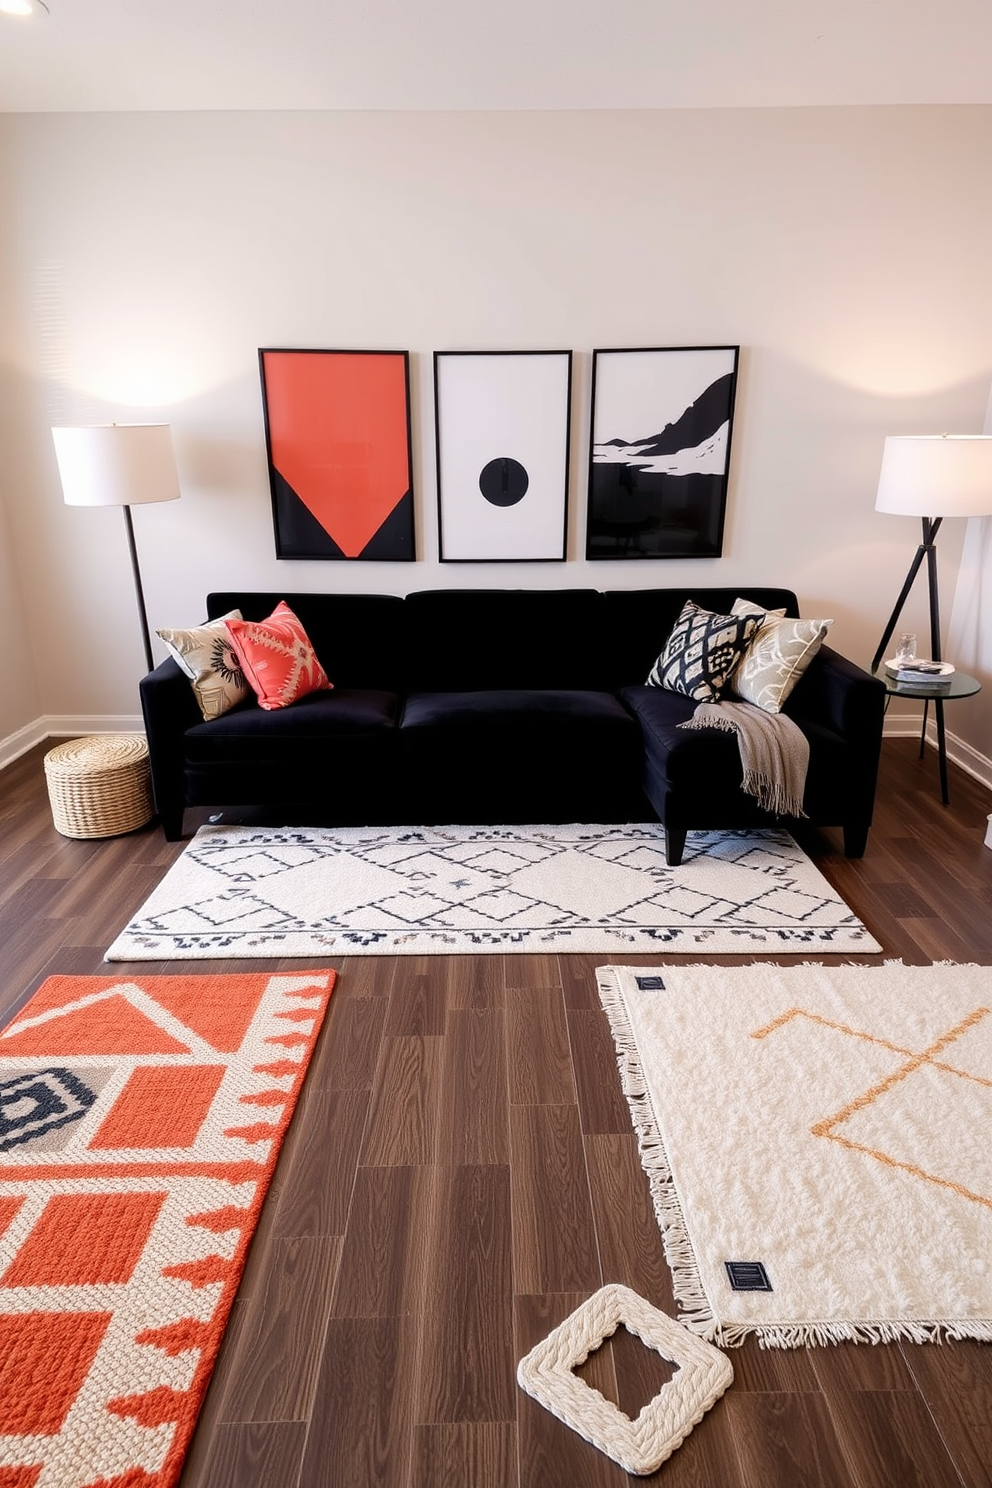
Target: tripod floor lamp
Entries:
(119, 465)
(932, 476)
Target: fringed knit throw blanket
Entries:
(774, 752)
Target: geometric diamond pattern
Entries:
(242, 891)
(702, 652)
(40, 1101)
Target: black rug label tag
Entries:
(748, 1276)
(650, 983)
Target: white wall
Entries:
(19, 696)
(970, 632)
(846, 251)
(20, 701)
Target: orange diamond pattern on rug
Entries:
(140, 1123)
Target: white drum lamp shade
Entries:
(932, 476)
(119, 465)
(936, 475)
(116, 464)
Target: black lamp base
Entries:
(928, 550)
(138, 590)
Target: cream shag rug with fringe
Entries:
(818, 1142)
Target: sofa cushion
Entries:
(527, 709)
(693, 756)
(531, 755)
(504, 638)
(638, 622)
(357, 637)
(311, 729)
(702, 652)
(703, 765)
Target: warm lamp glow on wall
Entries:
(932, 476)
(119, 465)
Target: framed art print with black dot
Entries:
(502, 424)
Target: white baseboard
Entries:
(66, 726)
(959, 751)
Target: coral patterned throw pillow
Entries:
(277, 658)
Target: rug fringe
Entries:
(695, 1309)
(800, 1335)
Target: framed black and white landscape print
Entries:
(660, 451)
(502, 422)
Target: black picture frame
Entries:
(502, 423)
(659, 451)
(339, 451)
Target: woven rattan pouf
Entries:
(100, 786)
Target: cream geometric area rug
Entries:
(817, 1140)
(248, 892)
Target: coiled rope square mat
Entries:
(140, 1122)
(643, 1444)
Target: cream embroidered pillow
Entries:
(776, 659)
(210, 662)
(745, 607)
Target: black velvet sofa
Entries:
(498, 706)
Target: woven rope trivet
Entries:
(642, 1445)
(99, 786)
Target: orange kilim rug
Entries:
(140, 1122)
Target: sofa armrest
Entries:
(169, 708)
(842, 697)
(837, 695)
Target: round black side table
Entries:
(958, 685)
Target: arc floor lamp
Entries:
(932, 476)
(119, 465)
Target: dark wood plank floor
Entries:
(461, 1172)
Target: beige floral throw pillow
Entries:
(776, 658)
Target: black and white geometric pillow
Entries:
(702, 652)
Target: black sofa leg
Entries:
(172, 823)
(855, 839)
(675, 844)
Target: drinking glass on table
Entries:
(906, 649)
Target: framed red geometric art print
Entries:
(337, 435)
